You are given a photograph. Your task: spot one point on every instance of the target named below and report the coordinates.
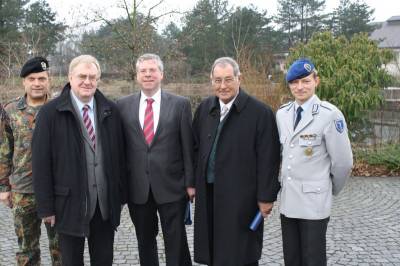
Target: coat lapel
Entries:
(135, 117)
(289, 118)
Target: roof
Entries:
(388, 35)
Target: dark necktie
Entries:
(148, 124)
(298, 117)
(88, 124)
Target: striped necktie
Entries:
(88, 124)
(148, 124)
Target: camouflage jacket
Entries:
(15, 147)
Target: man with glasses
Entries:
(78, 166)
(237, 161)
(159, 151)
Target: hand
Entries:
(5, 198)
(50, 220)
(265, 208)
(191, 191)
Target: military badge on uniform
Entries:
(44, 66)
(308, 151)
(309, 138)
(339, 124)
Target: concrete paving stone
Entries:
(364, 229)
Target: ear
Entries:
(317, 81)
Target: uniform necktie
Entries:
(298, 117)
(224, 112)
(88, 124)
(148, 124)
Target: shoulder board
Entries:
(327, 105)
(284, 105)
(12, 101)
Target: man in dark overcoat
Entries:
(78, 166)
(237, 162)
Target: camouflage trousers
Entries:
(27, 228)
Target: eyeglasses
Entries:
(228, 81)
(91, 78)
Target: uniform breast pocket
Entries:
(310, 141)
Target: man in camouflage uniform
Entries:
(16, 188)
(2, 122)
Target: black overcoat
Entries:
(59, 163)
(246, 171)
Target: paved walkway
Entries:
(364, 229)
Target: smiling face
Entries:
(36, 86)
(225, 84)
(149, 76)
(304, 88)
(83, 80)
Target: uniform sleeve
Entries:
(186, 134)
(339, 149)
(268, 158)
(6, 152)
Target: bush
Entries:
(386, 155)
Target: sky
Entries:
(72, 11)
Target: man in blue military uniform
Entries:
(316, 162)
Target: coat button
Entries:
(290, 156)
(289, 178)
(289, 167)
(291, 145)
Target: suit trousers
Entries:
(100, 242)
(304, 241)
(144, 217)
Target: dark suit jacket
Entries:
(166, 166)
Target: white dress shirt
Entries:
(81, 104)
(224, 106)
(304, 106)
(156, 108)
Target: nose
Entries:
(36, 82)
(87, 80)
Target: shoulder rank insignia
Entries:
(284, 105)
(339, 124)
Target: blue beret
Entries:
(34, 65)
(299, 69)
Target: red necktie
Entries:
(148, 124)
(89, 125)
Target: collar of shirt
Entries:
(81, 104)
(156, 97)
(229, 105)
(156, 108)
(305, 105)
